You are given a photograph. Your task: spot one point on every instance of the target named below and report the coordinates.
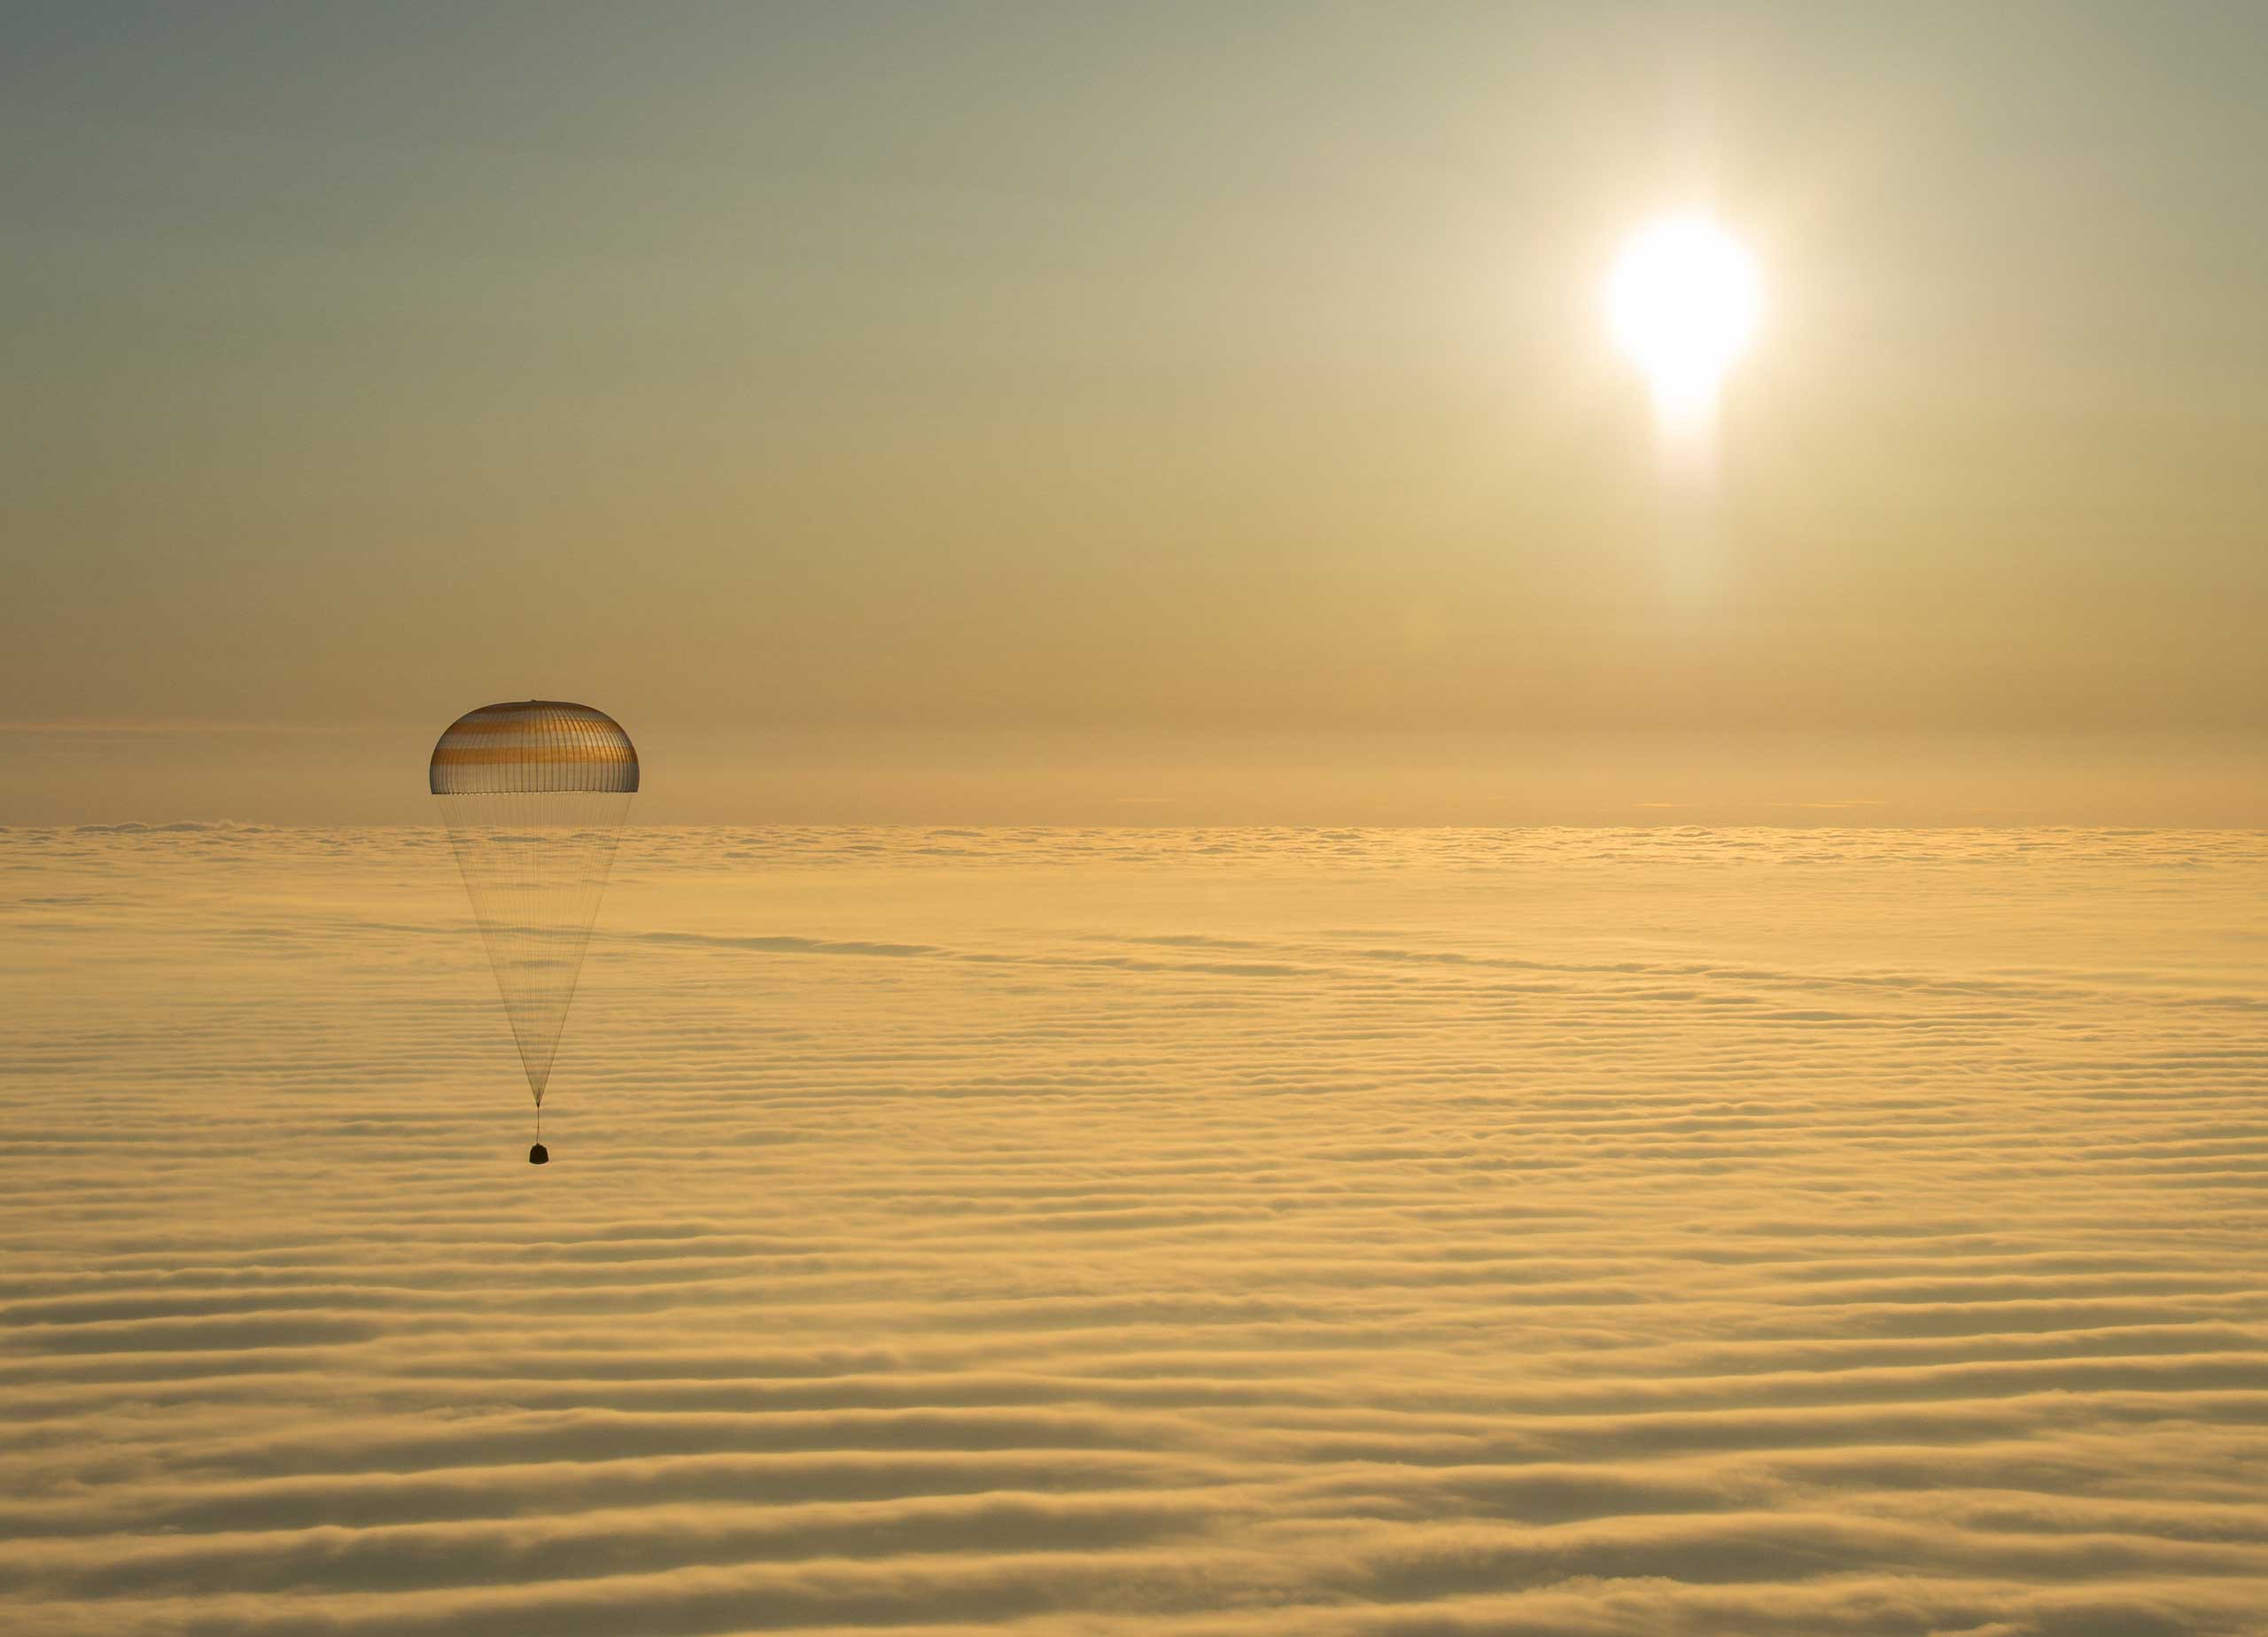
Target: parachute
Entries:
(534, 796)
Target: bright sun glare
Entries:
(1682, 302)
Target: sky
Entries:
(1068, 412)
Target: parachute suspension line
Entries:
(535, 864)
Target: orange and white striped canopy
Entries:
(535, 745)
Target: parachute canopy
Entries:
(534, 795)
(540, 747)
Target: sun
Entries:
(1682, 302)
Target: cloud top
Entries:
(1234, 1233)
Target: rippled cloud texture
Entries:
(1229, 1232)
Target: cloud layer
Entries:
(1209, 1233)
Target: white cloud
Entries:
(1216, 1232)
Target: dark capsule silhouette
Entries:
(537, 1154)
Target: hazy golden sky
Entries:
(1189, 376)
